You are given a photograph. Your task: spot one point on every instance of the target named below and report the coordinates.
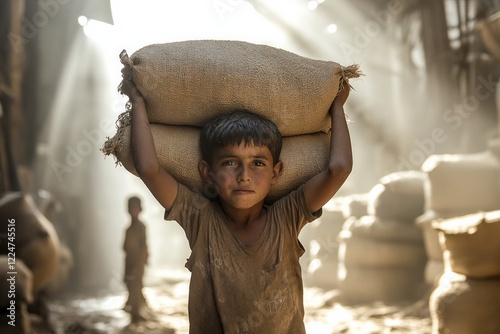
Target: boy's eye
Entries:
(229, 163)
(259, 163)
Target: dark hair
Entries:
(134, 200)
(236, 127)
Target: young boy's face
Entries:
(243, 174)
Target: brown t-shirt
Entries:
(243, 289)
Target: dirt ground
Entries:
(168, 300)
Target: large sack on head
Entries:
(178, 151)
(470, 244)
(190, 82)
(462, 184)
(398, 196)
(460, 305)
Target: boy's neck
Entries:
(246, 225)
(244, 217)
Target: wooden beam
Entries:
(11, 76)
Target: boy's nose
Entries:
(243, 174)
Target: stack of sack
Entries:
(381, 254)
(355, 205)
(187, 83)
(323, 249)
(455, 185)
(466, 298)
(321, 239)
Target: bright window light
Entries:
(332, 28)
(83, 20)
(312, 5)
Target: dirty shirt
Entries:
(237, 288)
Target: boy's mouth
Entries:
(243, 191)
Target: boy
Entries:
(136, 257)
(245, 272)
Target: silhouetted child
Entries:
(136, 258)
(245, 270)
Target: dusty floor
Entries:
(168, 300)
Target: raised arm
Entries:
(161, 184)
(321, 188)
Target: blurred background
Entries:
(429, 88)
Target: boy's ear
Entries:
(277, 171)
(204, 169)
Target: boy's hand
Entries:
(343, 94)
(129, 88)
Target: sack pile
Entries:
(185, 84)
(382, 255)
(323, 249)
(466, 298)
(398, 196)
(321, 240)
(455, 185)
(435, 265)
(355, 205)
(462, 183)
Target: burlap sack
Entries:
(460, 305)
(189, 82)
(372, 227)
(324, 234)
(379, 248)
(462, 184)
(368, 252)
(37, 241)
(431, 236)
(398, 196)
(178, 152)
(356, 206)
(322, 274)
(364, 284)
(471, 244)
(433, 271)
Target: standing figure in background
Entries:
(136, 257)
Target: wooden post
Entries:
(438, 54)
(11, 75)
